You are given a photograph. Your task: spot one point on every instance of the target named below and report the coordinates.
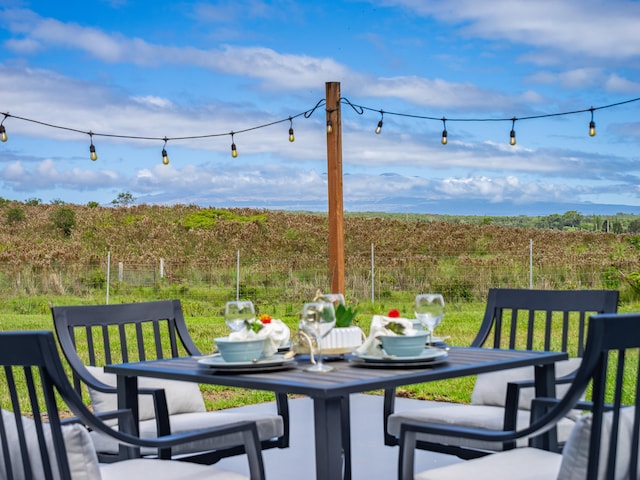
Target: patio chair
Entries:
(145, 331)
(549, 320)
(603, 444)
(35, 443)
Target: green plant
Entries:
(15, 215)
(345, 315)
(64, 218)
(124, 199)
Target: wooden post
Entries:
(334, 177)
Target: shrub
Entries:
(15, 215)
(63, 218)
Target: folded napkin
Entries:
(372, 346)
(276, 334)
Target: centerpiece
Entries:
(343, 338)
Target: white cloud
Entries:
(589, 28)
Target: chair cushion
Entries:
(521, 463)
(182, 397)
(478, 416)
(576, 450)
(269, 426)
(164, 470)
(491, 388)
(81, 455)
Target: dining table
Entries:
(330, 390)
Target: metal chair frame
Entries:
(117, 333)
(612, 348)
(36, 381)
(503, 327)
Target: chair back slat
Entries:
(121, 333)
(40, 447)
(541, 319)
(158, 338)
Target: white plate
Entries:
(428, 357)
(276, 362)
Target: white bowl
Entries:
(240, 350)
(404, 345)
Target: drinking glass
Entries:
(317, 319)
(335, 298)
(237, 313)
(429, 310)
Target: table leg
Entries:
(545, 386)
(128, 399)
(329, 427)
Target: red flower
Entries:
(265, 318)
(394, 313)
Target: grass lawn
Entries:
(460, 324)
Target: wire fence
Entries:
(369, 277)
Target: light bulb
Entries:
(165, 157)
(592, 129)
(512, 138)
(444, 137)
(234, 152)
(379, 127)
(3, 133)
(94, 155)
(291, 137)
(329, 127)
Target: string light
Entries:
(329, 127)
(592, 125)
(444, 131)
(291, 137)
(92, 150)
(512, 133)
(165, 157)
(234, 150)
(379, 127)
(3, 130)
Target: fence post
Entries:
(108, 275)
(531, 263)
(162, 268)
(373, 276)
(238, 277)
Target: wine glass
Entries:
(237, 313)
(335, 298)
(429, 310)
(317, 319)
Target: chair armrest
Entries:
(410, 430)
(512, 397)
(247, 430)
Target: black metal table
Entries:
(330, 391)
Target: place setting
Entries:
(253, 346)
(396, 342)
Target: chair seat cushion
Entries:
(491, 388)
(182, 397)
(81, 456)
(576, 451)
(520, 463)
(478, 416)
(164, 470)
(269, 426)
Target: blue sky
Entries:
(189, 69)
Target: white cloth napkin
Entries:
(372, 346)
(276, 334)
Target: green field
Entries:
(460, 324)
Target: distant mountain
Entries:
(484, 208)
(473, 207)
